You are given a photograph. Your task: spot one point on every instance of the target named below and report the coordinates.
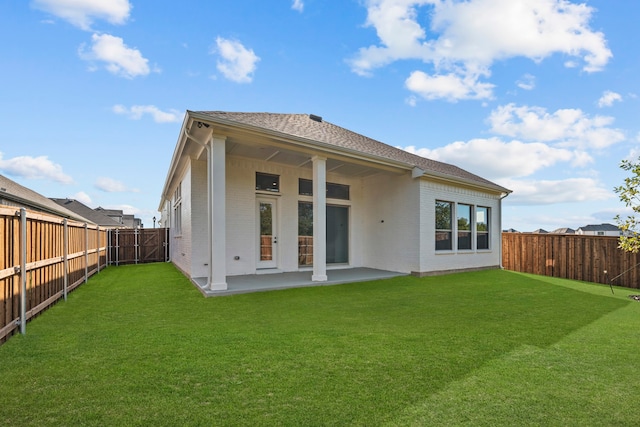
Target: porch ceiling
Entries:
(298, 159)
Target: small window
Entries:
(305, 187)
(334, 191)
(267, 182)
(482, 227)
(444, 214)
(464, 227)
(337, 191)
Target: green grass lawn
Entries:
(139, 345)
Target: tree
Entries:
(629, 193)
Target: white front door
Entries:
(267, 233)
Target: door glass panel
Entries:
(266, 232)
(337, 234)
(305, 233)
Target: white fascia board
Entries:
(175, 159)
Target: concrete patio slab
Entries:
(297, 279)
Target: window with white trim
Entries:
(482, 227)
(177, 210)
(444, 225)
(463, 215)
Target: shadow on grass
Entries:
(149, 349)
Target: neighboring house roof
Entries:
(600, 227)
(96, 217)
(14, 194)
(317, 132)
(117, 212)
(541, 231)
(511, 230)
(565, 230)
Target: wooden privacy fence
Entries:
(134, 246)
(42, 258)
(587, 258)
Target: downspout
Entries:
(500, 224)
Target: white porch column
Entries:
(319, 219)
(218, 224)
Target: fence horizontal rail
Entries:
(587, 258)
(42, 258)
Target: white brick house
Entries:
(251, 193)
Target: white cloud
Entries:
(464, 38)
(135, 112)
(82, 197)
(546, 192)
(110, 185)
(298, 5)
(565, 127)
(527, 82)
(82, 13)
(634, 154)
(236, 63)
(495, 159)
(34, 168)
(449, 86)
(608, 98)
(411, 101)
(120, 59)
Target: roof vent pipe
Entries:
(315, 118)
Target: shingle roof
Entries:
(91, 214)
(309, 127)
(564, 230)
(600, 227)
(23, 196)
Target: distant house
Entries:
(540, 231)
(95, 216)
(565, 230)
(125, 220)
(256, 193)
(599, 230)
(14, 194)
(511, 230)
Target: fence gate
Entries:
(133, 246)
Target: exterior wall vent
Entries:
(315, 118)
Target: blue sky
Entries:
(538, 96)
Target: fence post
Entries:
(117, 247)
(86, 253)
(66, 257)
(98, 248)
(166, 245)
(136, 249)
(23, 271)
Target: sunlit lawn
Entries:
(139, 345)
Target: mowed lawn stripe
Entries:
(139, 345)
